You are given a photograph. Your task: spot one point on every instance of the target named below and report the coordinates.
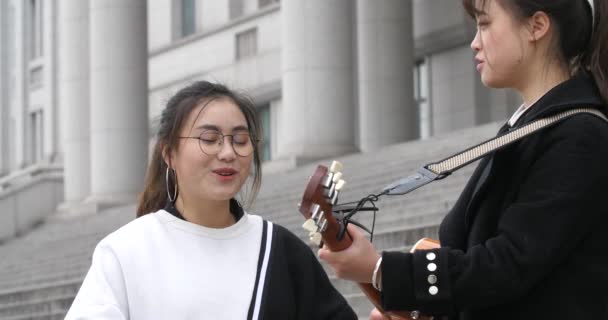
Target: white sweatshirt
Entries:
(162, 267)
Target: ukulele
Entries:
(320, 195)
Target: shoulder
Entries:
(132, 234)
(291, 245)
(286, 236)
(583, 132)
(573, 150)
(584, 123)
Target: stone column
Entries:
(51, 119)
(74, 104)
(118, 95)
(4, 117)
(19, 70)
(385, 49)
(316, 120)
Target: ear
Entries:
(167, 156)
(539, 25)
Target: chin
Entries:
(492, 82)
(221, 196)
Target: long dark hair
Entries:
(582, 36)
(172, 118)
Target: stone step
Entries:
(40, 291)
(41, 253)
(19, 267)
(54, 315)
(48, 305)
(49, 279)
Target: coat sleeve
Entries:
(558, 205)
(315, 296)
(102, 294)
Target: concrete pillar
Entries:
(51, 119)
(119, 95)
(385, 47)
(316, 120)
(73, 58)
(18, 73)
(4, 118)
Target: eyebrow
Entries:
(216, 128)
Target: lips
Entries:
(225, 172)
(479, 63)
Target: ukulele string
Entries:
(346, 219)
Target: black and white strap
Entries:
(443, 168)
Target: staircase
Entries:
(40, 272)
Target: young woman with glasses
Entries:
(193, 252)
(527, 239)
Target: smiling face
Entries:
(214, 177)
(501, 53)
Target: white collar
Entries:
(518, 113)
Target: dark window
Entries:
(263, 3)
(188, 17)
(264, 116)
(235, 9)
(35, 29)
(246, 44)
(421, 96)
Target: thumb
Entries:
(322, 253)
(354, 231)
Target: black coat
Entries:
(528, 237)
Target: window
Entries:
(188, 17)
(35, 29)
(246, 44)
(421, 96)
(236, 9)
(264, 3)
(264, 116)
(36, 77)
(36, 136)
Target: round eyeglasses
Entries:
(211, 142)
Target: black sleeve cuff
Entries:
(432, 281)
(397, 281)
(416, 281)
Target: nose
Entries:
(227, 150)
(476, 43)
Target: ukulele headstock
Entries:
(320, 195)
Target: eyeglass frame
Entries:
(222, 142)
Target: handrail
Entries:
(29, 172)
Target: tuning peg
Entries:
(327, 180)
(337, 176)
(340, 184)
(315, 211)
(323, 226)
(329, 193)
(310, 225)
(336, 166)
(334, 199)
(315, 238)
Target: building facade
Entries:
(82, 81)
